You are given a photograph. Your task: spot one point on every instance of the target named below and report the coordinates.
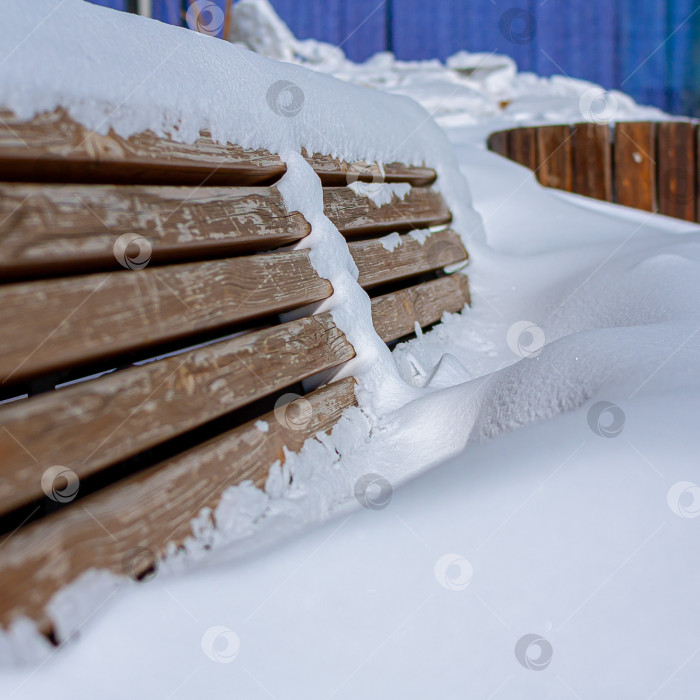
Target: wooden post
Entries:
(677, 177)
(592, 161)
(634, 149)
(554, 157)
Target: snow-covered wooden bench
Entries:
(141, 286)
(645, 165)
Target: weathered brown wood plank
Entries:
(378, 265)
(522, 146)
(635, 165)
(394, 315)
(592, 161)
(357, 215)
(124, 527)
(554, 158)
(88, 426)
(498, 143)
(52, 147)
(336, 173)
(65, 322)
(677, 170)
(51, 229)
(47, 229)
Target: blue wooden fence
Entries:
(648, 48)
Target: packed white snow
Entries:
(554, 561)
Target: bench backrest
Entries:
(141, 286)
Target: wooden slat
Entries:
(592, 161)
(522, 146)
(377, 265)
(54, 148)
(676, 152)
(357, 215)
(47, 229)
(554, 159)
(498, 143)
(51, 229)
(394, 315)
(89, 426)
(65, 322)
(123, 527)
(635, 165)
(336, 173)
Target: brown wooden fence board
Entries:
(378, 265)
(394, 315)
(554, 157)
(54, 148)
(677, 171)
(592, 161)
(124, 526)
(635, 165)
(65, 322)
(357, 215)
(88, 426)
(498, 143)
(522, 146)
(45, 229)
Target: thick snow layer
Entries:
(551, 531)
(555, 561)
(470, 89)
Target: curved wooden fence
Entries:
(647, 165)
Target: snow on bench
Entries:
(646, 165)
(156, 308)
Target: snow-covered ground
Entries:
(558, 560)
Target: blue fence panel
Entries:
(441, 28)
(649, 48)
(641, 68)
(592, 41)
(169, 11)
(683, 57)
(359, 27)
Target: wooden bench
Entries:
(646, 165)
(142, 283)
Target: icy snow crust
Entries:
(569, 533)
